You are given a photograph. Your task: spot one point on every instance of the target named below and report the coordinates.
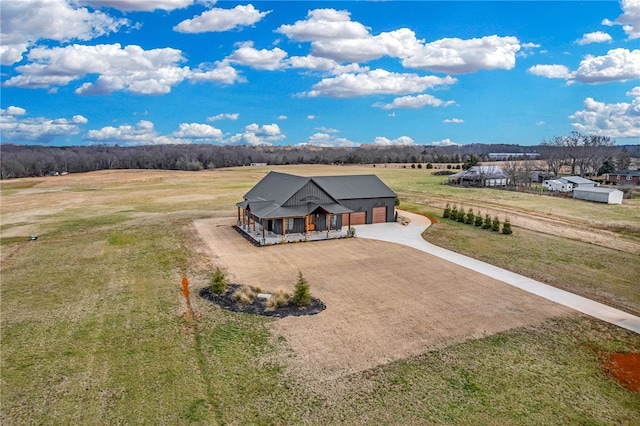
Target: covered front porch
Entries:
(319, 224)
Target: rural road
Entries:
(411, 235)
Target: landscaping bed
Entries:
(258, 306)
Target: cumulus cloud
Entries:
(224, 116)
(617, 65)
(629, 20)
(376, 82)
(198, 131)
(325, 139)
(255, 134)
(458, 56)
(402, 140)
(550, 71)
(129, 68)
(333, 35)
(444, 142)
(316, 63)
(217, 20)
(139, 5)
(13, 128)
(263, 59)
(282, 117)
(143, 133)
(453, 120)
(620, 120)
(25, 22)
(415, 102)
(595, 37)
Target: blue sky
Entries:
(146, 72)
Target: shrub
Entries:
(218, 281)
(487, 222)
(506, 227)
(278, 299)
(244, 295)
(495, 224)
(395, 217)
(429, 166)
(448, 166)
(352, 232)
(460, 216)
(454, 212)
(302, 293)
(478, 220)
(419, 165)
(397, 202)
(469, 219)
(447, 212)
(413, 166)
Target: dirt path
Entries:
(384, 301)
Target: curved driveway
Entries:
(411, 236)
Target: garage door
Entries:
(357, 218)
(379, 214)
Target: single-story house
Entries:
(624, 177)
(282, 204)
(598, 194)
(568, 183)
(480, 176)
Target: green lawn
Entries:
(93, 330)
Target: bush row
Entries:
(470, 218)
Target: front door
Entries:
(311, 222)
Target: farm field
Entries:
(93, 327)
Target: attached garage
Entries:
(357, 218)
(379, 214)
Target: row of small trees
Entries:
(469, 217)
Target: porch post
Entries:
(263, 239)
(328, 224)
(349, 224)
(306, 228)
(238, 216)
(254, 224)
(284, 229)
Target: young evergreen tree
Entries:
(506, 227)
(461, 215)
(495, 224)
(447, 212)
(478, 220)
(454, 212)
(302, 293)
(487, 222)
(218, 281)
(470, 218)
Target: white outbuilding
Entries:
(598, 194)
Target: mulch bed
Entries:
(258, 306)
(624, 367)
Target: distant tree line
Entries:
(37, 160)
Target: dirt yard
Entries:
(384, 301)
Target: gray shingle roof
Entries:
(353, 187)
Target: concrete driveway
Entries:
(411, 235)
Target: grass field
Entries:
(93, 327)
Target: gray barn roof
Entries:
(353, 187)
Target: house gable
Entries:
(309, 193)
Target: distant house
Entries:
(598, 194)
(282, 204)
(568, 183)
(624, 177)
(538, 176)
(480, 176)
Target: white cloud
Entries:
(415, 102)
(311, 117)
(550, 71)
(453, 120)
(402, 140)
(376, 82)
(219, 72)
(324, 139)
(217, 20)
(197, 131)
(324, 24)
(617, 65)
(25, 22)
(595, 37)
(630, 18)
(444, 142)
(260, 59)
(316, 63)
(130, 68)
(225, 116)
(143, 133)
(327, 130)
(38, 129)
(457, 56)
(139, 5)
(282, 117)
(255, 134)
(621, 120)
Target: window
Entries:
(334, 221)
(290, 224)
(629, 177)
